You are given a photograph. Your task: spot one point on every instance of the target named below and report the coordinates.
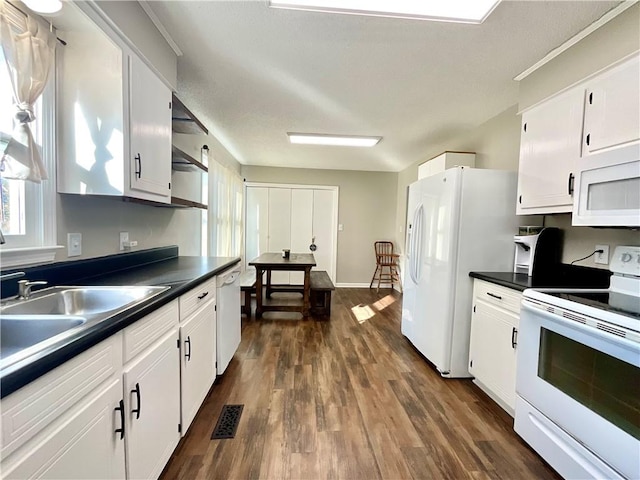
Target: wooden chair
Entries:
(385, 259)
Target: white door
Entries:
(152, 407)
(150, 153)
(549, 150)
(257, 223)
(279, 227)
(302, 219)
(324, 230)
(197, 361)
(612, 108)
(84, 446)
(439, 245)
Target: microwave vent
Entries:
(614, 331)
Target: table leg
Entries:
(268, 283)
(306, 292)
(259, 273)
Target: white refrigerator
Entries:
(458, 221)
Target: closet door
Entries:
(279, 227)
(301, 226)
(323, 230)
(257, 223)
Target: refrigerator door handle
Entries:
(415, 243)
(418, 257)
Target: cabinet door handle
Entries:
(120, 408)
(494, 295)
(200, 297)
(187, 354)
(588, 139)
(514, 337)
(570, 184)
(138, 165)
(137, 392)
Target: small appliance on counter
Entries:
(537, 250)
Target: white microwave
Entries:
(607, 189)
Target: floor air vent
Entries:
(227, 422)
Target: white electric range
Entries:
(578, 375)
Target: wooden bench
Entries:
(247, 287)
(321, 288)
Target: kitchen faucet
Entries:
(24, 288)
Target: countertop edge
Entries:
(24, 372)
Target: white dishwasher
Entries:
(228, 317)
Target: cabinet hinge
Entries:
(215, 308)
(216, 364)
(179, 428)
(474, 309)
(178, 343)
(169, 185)
(471, 364)
(169, 105)
(520, 199)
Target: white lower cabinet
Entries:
(197, 360)
(85, 444)
(152, 407)
(494, 336)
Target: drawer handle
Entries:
(137, 392)
(200, 297)
(494, 295)
(187, 354)
(514, 337)
(121, 409)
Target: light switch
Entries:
(74, 244)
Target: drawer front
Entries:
(194, 299)
(497, 295)
(36, 405)
(147, 330)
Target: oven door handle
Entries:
(593, 331)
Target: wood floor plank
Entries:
(348, 398)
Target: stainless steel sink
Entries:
(52, 315)
(18, 332)
(83, 301)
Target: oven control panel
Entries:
(626, 261)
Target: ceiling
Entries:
(253, 73)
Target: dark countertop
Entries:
(563, 276)
(162, 267)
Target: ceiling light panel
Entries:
(334, 140)
(464, 11)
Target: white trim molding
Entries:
(160, 26)
(22, 257)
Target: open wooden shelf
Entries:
(179, 157)
(182, 202)
(183, 121)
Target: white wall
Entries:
(366, 209)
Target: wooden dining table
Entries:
(297, 262)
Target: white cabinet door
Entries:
(549, 150)
(197, 361)
(257, 223)
(152, 407)
(612, 108)
(150, 126)
(324, 230)
(279, 227)
(492, 355)
(85, 445)
(301, 226)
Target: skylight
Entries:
(335, 140)
(463, 11)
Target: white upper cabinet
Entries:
(445, 161)
(549, 150)
(150, 126)
(612, 108)
(113, 117)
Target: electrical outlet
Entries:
(124, 240)
(74, 244)
(602, 258)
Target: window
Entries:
(226, 212)
(27, 213)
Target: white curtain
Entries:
(29, 57)
(226, 212)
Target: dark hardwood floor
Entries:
(348, 398)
